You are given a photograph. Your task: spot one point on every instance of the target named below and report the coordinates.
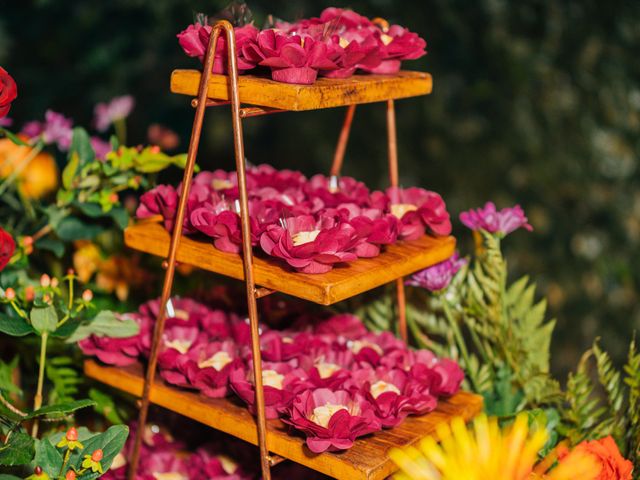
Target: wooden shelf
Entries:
(324, 93)
(367, 459)
(344, 281)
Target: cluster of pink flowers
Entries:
(161, 456)
(311, 224)
(334, 45)
(328, 378)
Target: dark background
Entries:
(534, 101)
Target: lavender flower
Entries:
(56, 128)
(101, 147)
(438, 276)
(502, 222)
(117, 109)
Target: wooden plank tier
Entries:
(344, 281)
(367, 459)
(324, 93)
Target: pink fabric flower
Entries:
(209, 365)
(297, 60)
(336, 191)
(331, 420)
(118, 108)
(438, 277)
(280, 382)
(417, 210)
(345, 325)
(173, 358)
(310, 246)
(113, 351)
(501, 222)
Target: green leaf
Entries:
(47, 457)
(11, 136)
(110, 442)
(61, 408)
(44, 319)
(51, 244)
(15, 326)
(81, 145)
(6, 376)
(18, 451)
(106, 406)
(92, 210)
(72, 228)
(4, 476)
(106, 324)
(120, 216)
(69, 172)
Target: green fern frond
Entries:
(611, 381)
(64, 377)
(632, 381)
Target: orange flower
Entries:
(37, 178)
(86, 259)
(613, 465)
(118, 274)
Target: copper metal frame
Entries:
(253, 293)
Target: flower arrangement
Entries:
(334, 45)
(317, 376)
(309, 224)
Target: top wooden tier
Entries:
(324, 93)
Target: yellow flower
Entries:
(86, 259)
(38, 175)
(484, 452)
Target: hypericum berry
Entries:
(71, 475)
(27, 241)
(155, 149)
(71, 272)
(10, 294)
(29, 293)
(45, 280)
(72, 434)
(113, 198)
(97, 455)
(87, 295)
(38, 470)
(46, 298)
(54, 282)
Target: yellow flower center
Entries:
(182, 315)
(327, 369)
(182, 346)
(217, 361)
(381, 387)
(301, 238)
(287, 340)
(272, 378)
(344, 43)
(399, 209)
(169, 476)
(386, 39)
(118, 461)
(220, 184)
(228, 465)
(322, 414)
(358, 345)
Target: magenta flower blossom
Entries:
(177, 342)
(297, 60)
(280, 382)
(162, 200)
(417, 210)
(6, 122)
(344, 325)
(100, 147)
(439, 276)
(118, 108)
(372, 347)
(328, 366)
(310, 246)
(113, 351)
(501, 222)
(331, 420)
(56, 128)
(336, 191)
(209, 366)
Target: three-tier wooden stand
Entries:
(368, 458)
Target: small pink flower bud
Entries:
(54, 282)
(72, 434)
(27, 241)
(45, 280)
(87, 295)
(29, 293)
(71, 475)
(71, 272)
(97, 455)
(113, 198)
(10, 294)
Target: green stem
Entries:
(23, 164)
(37, 401)
(457, 334)
(121, 130)
(65, 460)
(18, 310)
(70, 292)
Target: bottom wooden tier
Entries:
(367, 459)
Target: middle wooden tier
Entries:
(344, 281)
(368, 459)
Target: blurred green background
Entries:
(534, 101)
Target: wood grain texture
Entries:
(324, 93)
(344, 281)
(367, 459)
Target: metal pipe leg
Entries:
(247, 253)
(341, 147)
(173, 250)
(393, 180)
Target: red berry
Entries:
(72, 434)
(71, 475)
(38, 470)
(45, 280)
(70, 272)
(29, 293)
(27, 241)
(87, 295)
(10, 294)
(97, 455)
